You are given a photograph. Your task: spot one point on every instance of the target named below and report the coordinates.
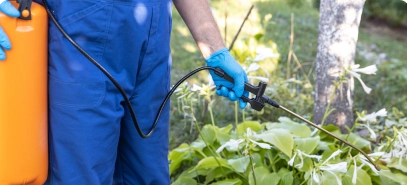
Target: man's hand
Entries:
(8, 9)
(227, 63)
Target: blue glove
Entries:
(8, 9)
(227, 63)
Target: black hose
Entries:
(117, 85)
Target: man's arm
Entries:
(198, 17)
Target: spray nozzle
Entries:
(258, 102)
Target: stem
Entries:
(236, 117)
(240, 28)
(252, 164)
(243, 115)
(210, 149)
(290, 49)
(272, 162)
(327, 111)
(210, 113)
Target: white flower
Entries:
(339, 167)
(372, 117)
(261, 145)
(332, 156)
(300, 155)
(369, 70)
(373, 135)
(315, 176)
(366, 162)
(231, 144)
(355, 172)
(354, 69)
(252, 135)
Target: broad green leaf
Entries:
(226, 129)
(190, 173)
(178, 155)
(198, 144)
(280, 138)
(208, 134)
(212, 162)
(362, 177)
(331, 128)
(286, 177)
(228, 182)
(295, 128)
(254, 125)
(330, 179)
(216, 173)
(397, 164)
(184, 181)
(389, 178)
(264, 177)
(306, 145)
(239, 164)
(357, 141)
(307, 164)
(223, 137)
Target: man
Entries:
(92, 139)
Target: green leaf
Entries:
(258, 36)
(178, 155)
(254, 125)
(184, 181)
(397, 164)
(280, 138)
(228, 182)
(264, 177)
(307, 164)
(357, 141)
(330, 179)
(199, 144)
(226, 129)
(286, 177)
(295, 128)
(239, 164)
(331, 128)
(362, 177)
(212, 162)
(306, 145)
(389, 178)
(223, 137)
(208, 133)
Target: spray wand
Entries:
(258, 102)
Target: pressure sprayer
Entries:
(257, 103)
(23, 97)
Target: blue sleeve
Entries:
(38, 1)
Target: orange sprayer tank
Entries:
(23, 100)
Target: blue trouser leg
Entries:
(92, 138)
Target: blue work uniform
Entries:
(92, 138)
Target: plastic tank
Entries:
(23, 100)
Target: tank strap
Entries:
(25, 9)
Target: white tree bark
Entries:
(338, 34)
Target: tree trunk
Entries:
(338, 34)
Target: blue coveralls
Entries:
(91, 135)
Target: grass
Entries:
(389, 85)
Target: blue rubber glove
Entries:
(8, 9)
(227, 63)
